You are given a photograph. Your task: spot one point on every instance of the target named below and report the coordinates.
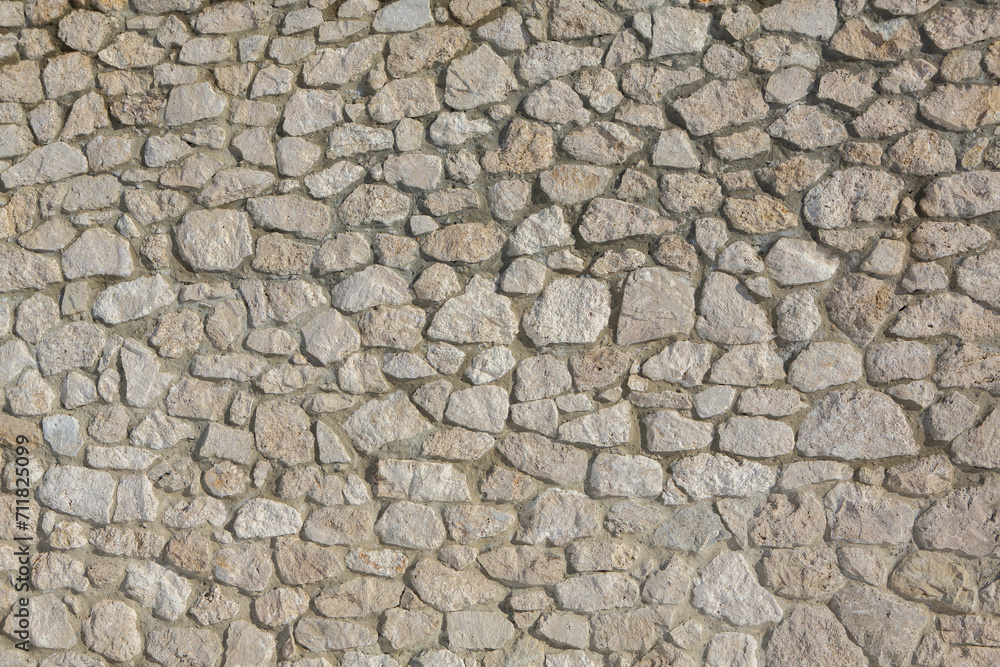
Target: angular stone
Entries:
(961, 109)
(823, 365)
(133, 300)
(530, 566)
(320, 635)
(887, 627)
(859, 305)
(358, 597)
(260, 517)
(811, 636)
(867, 515)
(282, 432)
(677, 31)
(411, 526)
(380, 422)
(729, 314)
(573, 19)
(626, 476)
(945, 583)
(479, 315)
(799, 262)
(46, 164)
(714, 475)
(479, 78)
(806, 128)
(810, 19)
(669, 431)
(756, 437)
(656, 303)
(111, 631)
(597, 592)
(856, 423)
(601, 143)
(558, 516)
(449, 590)
(525, 147)
(760, 215)
(478, 630)
(966, 195)
(467, 523)
(721, 104)
(97, 253)
(962, 521)
(574, 184)
(78, 491)
(544, 458)
(340, 66)
(467, 242)
(728, 589)
(802, 573)
(604, 428)
(570, 310)
(610, 220)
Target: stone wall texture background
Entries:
(501, 333)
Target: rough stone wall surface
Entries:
(500, 333)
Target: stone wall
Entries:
(500, 333)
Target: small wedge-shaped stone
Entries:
(728, 589)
